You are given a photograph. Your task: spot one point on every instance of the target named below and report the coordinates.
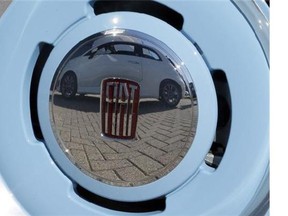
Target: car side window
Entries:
(124, 49)
(150, 54)
(101, 51)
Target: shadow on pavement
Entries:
(92, 104)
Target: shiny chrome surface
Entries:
(257, 14)
(122, 108)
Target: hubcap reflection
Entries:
(137, 119)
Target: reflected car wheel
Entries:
(170, 93)
(69, 85)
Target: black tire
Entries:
(170, 93)
(69, 85)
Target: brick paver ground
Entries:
(163, 138)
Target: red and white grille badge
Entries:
(119, 108)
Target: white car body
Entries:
(132, 61)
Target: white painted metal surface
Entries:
(227, 41)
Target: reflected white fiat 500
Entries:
(133, 61)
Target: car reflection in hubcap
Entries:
(120, 133)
